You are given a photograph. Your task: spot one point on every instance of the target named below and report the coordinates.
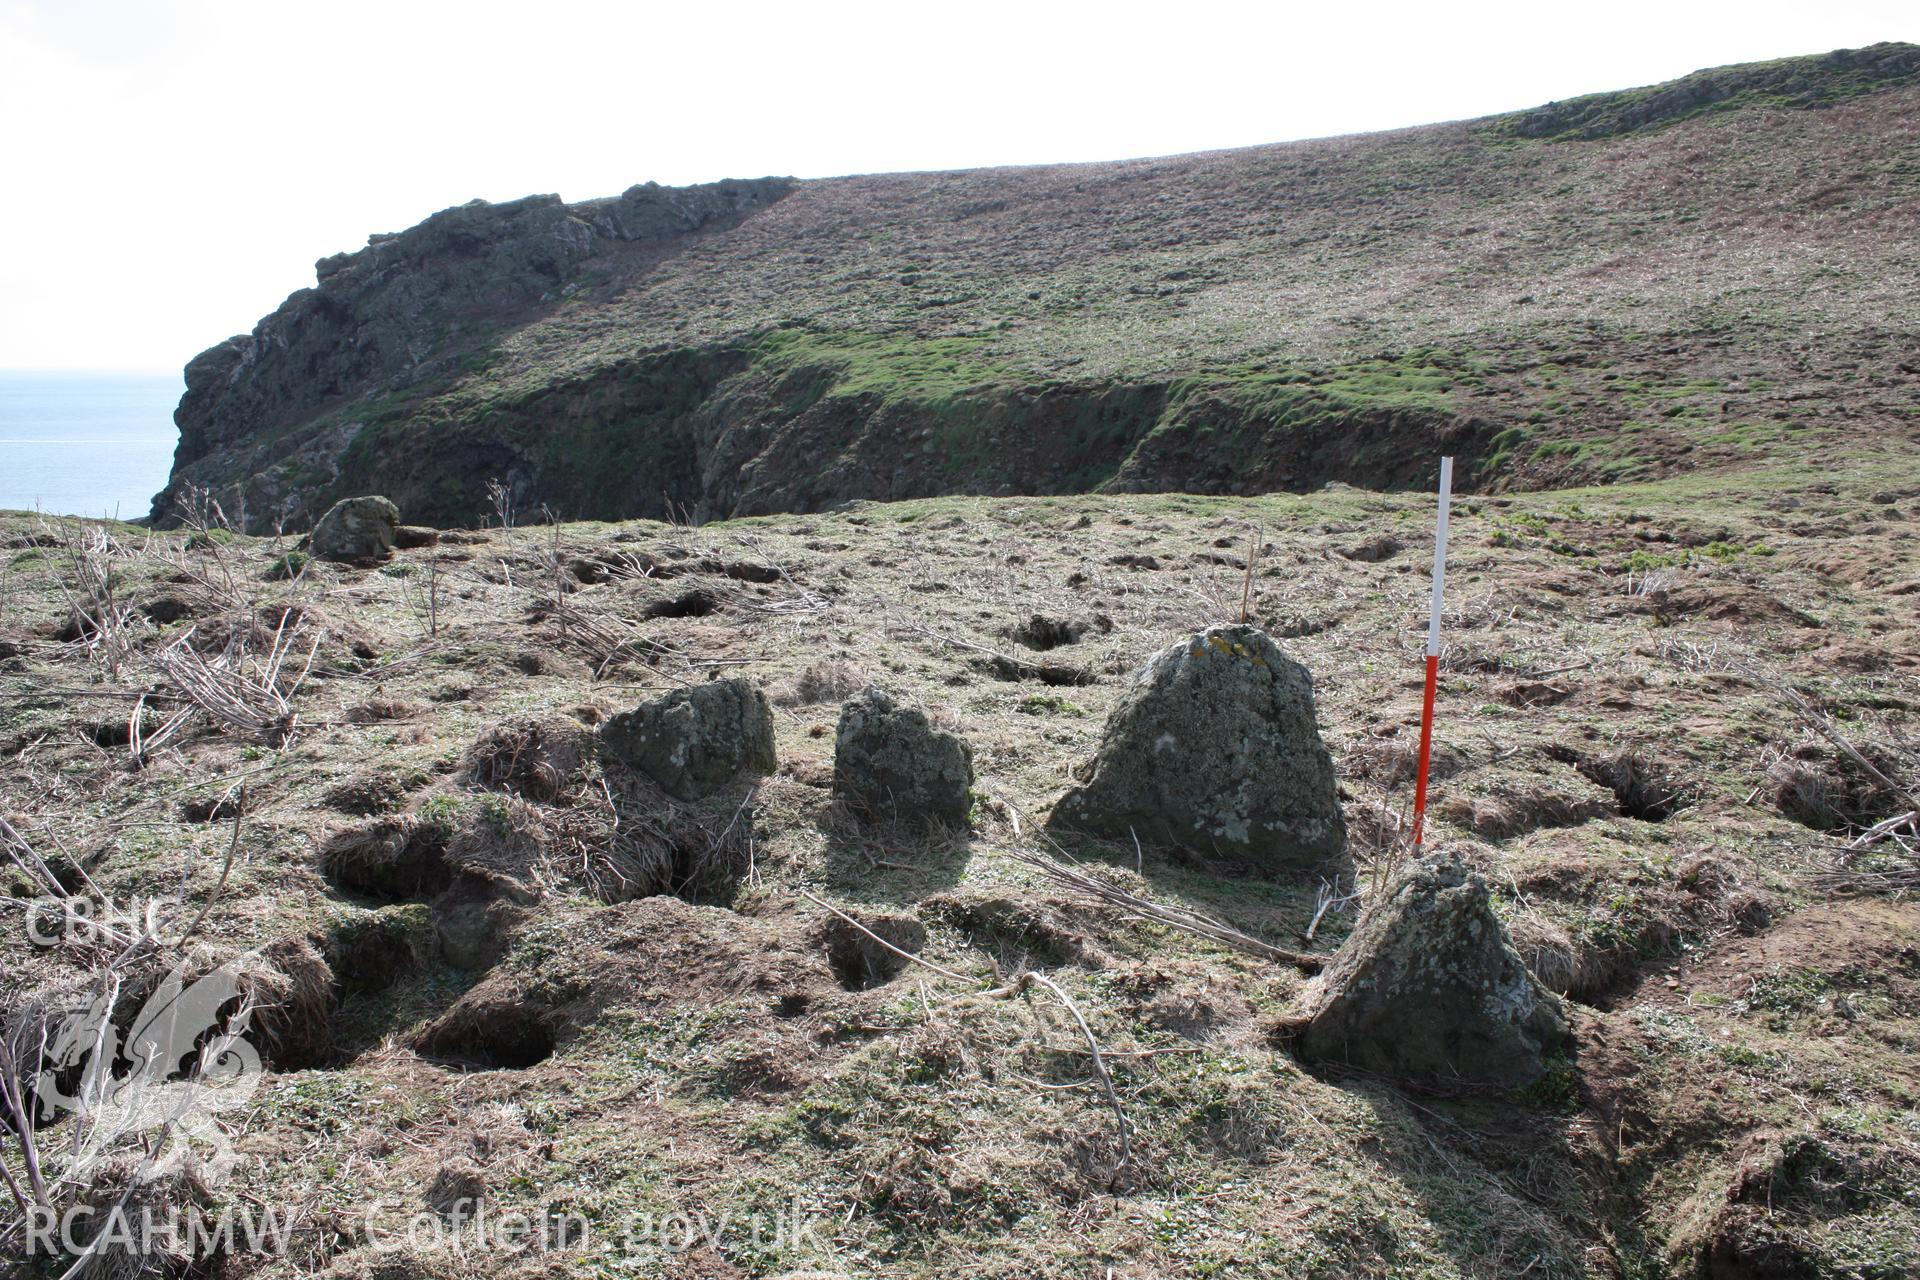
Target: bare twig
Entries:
(1246, 588)
(1881, 830)
(237, 689)
(501, 499)
(226, 867)
(1013, 987)
(1092, 887)
(904, 955)
(1328, 901)
(97, 617)
(1099, 1063)
(1821, 723)
(421, 593)
(1019, 668)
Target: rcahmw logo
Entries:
(161, 1086)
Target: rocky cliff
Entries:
(415, 307)
(1620, 286)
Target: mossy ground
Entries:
(1736, 1011)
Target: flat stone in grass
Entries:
(1214, 748)
(356, 529)
(695, 741)
(410, 536)
(889, 762)
(1430, 988)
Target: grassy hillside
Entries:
(1627, 286)
(474, 990)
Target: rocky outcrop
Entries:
(379, 314)
(1789, 82)
(649, 211)
(407, 308)
(1429, 988)
(1215, 748)
(695, 741)
(888, 761)
(356, 529)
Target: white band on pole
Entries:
(1440, 557)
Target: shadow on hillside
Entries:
(1276, 909)
(1511, 1186)
(891, 862)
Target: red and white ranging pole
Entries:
(1433, 654)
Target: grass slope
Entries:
(1635, 303)
(474, 991)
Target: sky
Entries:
(174, 167)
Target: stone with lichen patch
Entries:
(1215, 748)
(356, 529)
(1430, 988)
(694, 741)
(889, 761)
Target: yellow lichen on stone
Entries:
(1232, 648)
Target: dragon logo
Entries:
(183, 1061)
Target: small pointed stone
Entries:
(1429, 987)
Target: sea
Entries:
(85, 444)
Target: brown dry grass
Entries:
(709, 1051)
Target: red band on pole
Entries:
(1426, 751)
(1433, 653)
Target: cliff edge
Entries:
(1699, 275)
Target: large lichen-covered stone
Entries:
(356, 529)
(1215, 748)
(889, 762)
(694, 741)
(1429, 987)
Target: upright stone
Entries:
(694, 741)
(1430, 988)
(1215, 748)
(889, 762)
(356, 529)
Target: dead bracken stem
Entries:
(1099, 1064)
(98, 1122)
(1887, 829)
(556, 581)
(1327, 899)
(1091, 887)
(22, 855)
(1822, 724)
(871, 935)
(1021, 668)
(96, 616)
(422, 594)
(501, 499)
(607, 636)
(226, 867)
(1390, 847)
(1065, 871)
(209, 534)
(1246, 588)
(236, 689)
(1899, 830)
